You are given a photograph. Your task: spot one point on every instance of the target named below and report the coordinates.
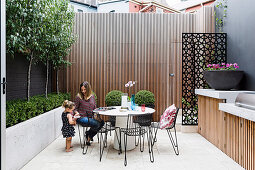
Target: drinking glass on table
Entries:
(136, 107)
(143, 107)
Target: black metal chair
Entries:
(103, 138)
(143, 128)
(174, 142)
(84, 130)
(83, 139)
(137, 122)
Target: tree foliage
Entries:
(40, 29)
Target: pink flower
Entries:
(227, 65)
(130, 84)
(209, 65)
(223, 64)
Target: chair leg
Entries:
(97, 137)
(125, 146)
(136, 144)
(174, 143)
(118, 141)
(120, 148)
(150, 146)
(141, 136)
(101, 146)
(155, 135)
(79, 135)
(105, 139)
(84, 151)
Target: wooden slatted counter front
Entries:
(228, 127)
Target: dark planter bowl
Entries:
(223, 79)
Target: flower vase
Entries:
(133, 102)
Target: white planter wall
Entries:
(25, 140)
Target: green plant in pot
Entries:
(113, 98)
(145, 97)
(223, 76)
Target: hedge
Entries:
(20, 110)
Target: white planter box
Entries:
(25, 140)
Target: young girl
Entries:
(68, 122)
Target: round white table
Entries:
(121, 122)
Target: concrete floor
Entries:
(196, 153)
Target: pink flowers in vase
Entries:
(130, 84)
(222, 66)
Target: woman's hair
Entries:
(88, 90)
(68, 104)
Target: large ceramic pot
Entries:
(223, 79)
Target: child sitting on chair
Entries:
(68, 122)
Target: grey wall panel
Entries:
(240, 27)
(16, 74)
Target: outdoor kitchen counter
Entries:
(228, 127)
(230, 108)
(229, 95)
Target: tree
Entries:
(24, 29)
(42, 31)
(59, 35)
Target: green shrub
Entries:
(113, 98)
(145, 97)
(20, 110)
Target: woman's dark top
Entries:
(85, 107)
(67, 128)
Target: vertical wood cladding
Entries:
(231, 134)
(16, 75)
(113, 48)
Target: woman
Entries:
(85, 104)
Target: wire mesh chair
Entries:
(174, 142)
(103, 138)
(143, 128)
(83, 139)
(139, 123)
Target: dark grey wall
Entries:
(16, 73)
(240, 27)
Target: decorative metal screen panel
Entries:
(198, 50)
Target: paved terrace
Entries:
(196, 153)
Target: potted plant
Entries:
(145, 97)
(223, 76)
(113, 98)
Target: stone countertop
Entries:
(238, 111)
(230, 95)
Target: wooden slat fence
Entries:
(113, 48)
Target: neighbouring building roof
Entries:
(158, 3)
(110, 1)
(92, 3)
(189, 4)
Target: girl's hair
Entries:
(68, 104)
(88, 90)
